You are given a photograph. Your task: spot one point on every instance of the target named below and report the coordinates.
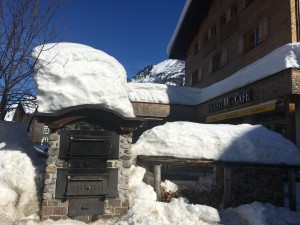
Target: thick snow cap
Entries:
(220, 142)
(69, 74)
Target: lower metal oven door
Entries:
(86, 206)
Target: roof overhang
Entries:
(191, 18)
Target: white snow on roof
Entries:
(220, 142)
(178, 26)
(29, 106)
(286, 56)
(161, 93)
(69, 74)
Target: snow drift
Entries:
(18, 168)
(221, 142)
(69, 74)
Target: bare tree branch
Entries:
(24, 24)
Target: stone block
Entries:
(121, 210)
(114, 203)
(47, 210)
(51, 169)
(47, 196)
(49, 188)
(125, 157)
(114, 164)
(125, 203)
(109, 210)
(53, 137)
(60, 210)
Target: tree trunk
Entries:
(3, 105)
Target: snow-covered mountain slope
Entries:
(169, 72)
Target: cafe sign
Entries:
(230, 101)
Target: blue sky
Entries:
(135, 32)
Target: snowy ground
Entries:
(18, 200)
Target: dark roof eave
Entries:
(196, 12)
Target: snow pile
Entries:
(145, 209)
(221, 142)
(169, 186)
(286, 56)
(259, 213)
(18, 194)
(18, 162)
(69, 74)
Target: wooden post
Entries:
(157, 180)
(292, 190)
(227, 187)
(290, 120)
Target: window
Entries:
(212, 31)
(223, 20)
(218, 61)
(254, 37)
(234, 10)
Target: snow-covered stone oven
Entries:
(88, 163)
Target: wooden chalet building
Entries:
(217, 38)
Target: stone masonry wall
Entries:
(56, 209)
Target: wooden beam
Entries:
(227, 187)
(157, 180)
(292, 190)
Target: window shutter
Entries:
(228, 15)
(224, 57)
(210, 66)
(240, 45)
(263, 29)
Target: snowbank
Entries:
(286, 56)
(18, 174)
(259, 213)
(146, 210)
(69, 74)
(222, 142)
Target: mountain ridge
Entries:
(170, 72)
